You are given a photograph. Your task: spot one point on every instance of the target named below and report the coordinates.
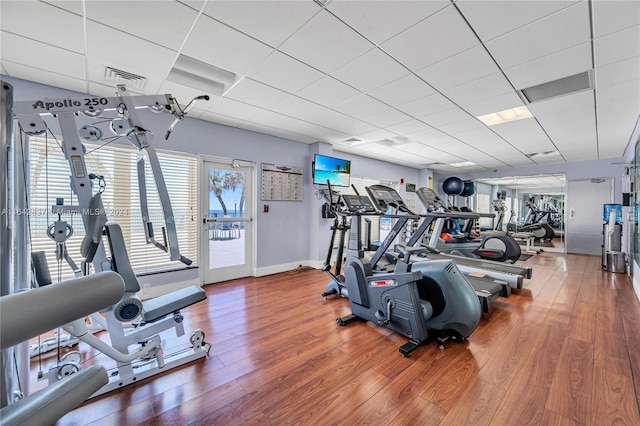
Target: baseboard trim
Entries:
(284, 267)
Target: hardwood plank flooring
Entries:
(564, 350)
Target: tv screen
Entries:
(334, 170)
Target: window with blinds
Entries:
(49, 174)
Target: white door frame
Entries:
(203, 225)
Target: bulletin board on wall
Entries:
(281, 183)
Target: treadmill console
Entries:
(358, 204)
(385, 197)
(430, 200)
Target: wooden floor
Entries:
(565, 350)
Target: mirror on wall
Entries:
(524, 203)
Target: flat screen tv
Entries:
(336, 170)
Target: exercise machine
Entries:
(420, 300)
(487, 289)
(129, 322)
(542, 231)
(343, 208)
(30, 313)
(498, 247)
(511, 273)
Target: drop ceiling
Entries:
(398, 80)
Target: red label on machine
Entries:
(382, 283)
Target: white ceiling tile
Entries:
(35, 74)
(569, 121)
(493, 104)
(293, 136)
(328, 92)
(425, 135)
(326, 43)
(104, 49)
(427, 105)
(613, 16)
(554, 33)
(618, 46)
(466, 66)
(407, 127)
(526, 135)
(402, 90)
(220, 119)
(72, 6)
(217, 44)
(340, 122)
(297, 107)
(319, 132)
(47, 23)
(381, 20)
(481, 138)
(461, 126)
(618, 92)
(235, 109)
(361, 106)
(358, 73)
(627, 70)
(139, 19)
(493, 18)
(480, 89)
(386, 118)
(255, 93)
(41, 56)
(561, 64)
(285, 73)
(271, 22)
(449, 116)
(438, 37)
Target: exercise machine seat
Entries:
(158, 307)
(33, 312)
(47, 405)
(30, 313)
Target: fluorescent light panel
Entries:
(200, 75)
(505, 116)
(463, 164)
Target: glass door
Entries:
(227, 223)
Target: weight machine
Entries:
(130, 322)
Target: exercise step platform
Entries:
(161, 306)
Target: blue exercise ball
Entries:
(453, 186)
(469, 188)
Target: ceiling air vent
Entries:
(118, 76)
(561, 87)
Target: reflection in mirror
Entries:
(526, 204)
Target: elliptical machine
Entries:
(421, 300)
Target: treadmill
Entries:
(514, 274)
(487, 289)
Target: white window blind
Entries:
(117, 163)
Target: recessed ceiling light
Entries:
(505, 116)
(463, 164)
